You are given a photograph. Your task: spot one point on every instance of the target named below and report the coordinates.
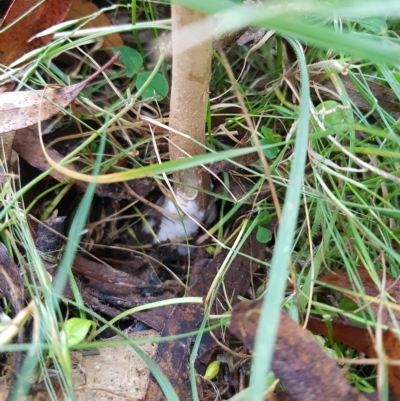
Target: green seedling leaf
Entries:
(76, 330)
(158, 87)
(210, 250)
(263, 235)
(130, 58)
(348, 305)
(333, 115)
(263, 217)
(269, 139)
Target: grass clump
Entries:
(320, 93)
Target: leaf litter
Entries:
(26, 108)
(17, 28)
(173, 357)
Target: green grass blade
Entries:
(272, 303)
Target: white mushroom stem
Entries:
(191, 71)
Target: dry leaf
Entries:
(354, 336)
(391, 344)
(114, 373)
(11, 284)
(384, 96)
(6, 144)
(22, 109)
(173, 356)
(27, 145)
(299, 362)
(83, 8)
(14, 41)
(341, 279)
(360, 339)
(117, 374)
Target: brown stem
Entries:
(189, 95)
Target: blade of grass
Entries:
(272, 302)
(291, 24)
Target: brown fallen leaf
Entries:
(49, 242)
(27, 145)
(172, 356)
(83, 8)
(107, 373)
(119, 369)
(360, 339)
(6, 144)
(341, 279)
(21, 109)
(384, 96)
(299, 362)
(285, 396)
(354, 336)
(11, 286)
(14, 41)
(118, 288)
(391, 344)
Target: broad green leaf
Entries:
(263, 217)
(269, 139)
(333, 114)
(157, 88)
(130, 58)
(76, 330)
(263, 235)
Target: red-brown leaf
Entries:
(83, 8)
(341, 279)
(14, 42)
(304, 368)
(360, 339)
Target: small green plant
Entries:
(76, 330)
(269, 138)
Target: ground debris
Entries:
(359, 337)
(340, 279)
(173, 356)
(27, 145)
(299, 362)
(111, 373)
(11, 286)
